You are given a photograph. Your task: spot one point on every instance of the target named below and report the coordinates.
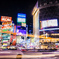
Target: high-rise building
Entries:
(46, 14)
(49, 16)
(21, 29)
(35, 14)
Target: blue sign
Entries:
(21, 15)
(21, 18)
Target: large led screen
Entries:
(6, 18)
(49, 23)
(21, 32)
(21, 18)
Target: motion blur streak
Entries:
(28, 56)
(8, 56)
(5, 52)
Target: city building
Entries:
(21, 29)
(49, 17)
(35, 14)
(30, 26)
(48, 13)
(8, 32)
(0, 32)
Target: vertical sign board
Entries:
(21, 21)
(14, 28)
(21, 18)
(6, 22)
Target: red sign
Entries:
(6, 23)
(6, 18)
(13, 39)
(6, 27)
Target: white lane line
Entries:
(36, 56)
(5, 52)
(28, 56)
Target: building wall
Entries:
(35, 14)
(49, 9)
(36, 23)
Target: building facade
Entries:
(49, 17)
(48, 20)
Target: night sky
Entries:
(11, 8)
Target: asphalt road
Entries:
(43, 55)
(29, 55)
(40, 53)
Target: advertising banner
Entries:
(49, 23)
(6, 23)
(6, 27)
(24, 24)
(21, 32)
(21, 18)
(5, 18)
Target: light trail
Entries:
(5, 52)
(28, 56)
(30, 35)
(50, 29)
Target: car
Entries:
(3, 48)
(22, 49)
(12, 48)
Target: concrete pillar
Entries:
(35, 14)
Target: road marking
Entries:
(5, 52)
(28, 56)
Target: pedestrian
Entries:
(0, 44)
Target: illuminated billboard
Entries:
(21, 18)
(24, 24)
(6, 18)
(6, 23)
(6, 27)
(49, 23)
(21, 32)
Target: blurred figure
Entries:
(14, 42)
(0, 44)
(8, 43)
